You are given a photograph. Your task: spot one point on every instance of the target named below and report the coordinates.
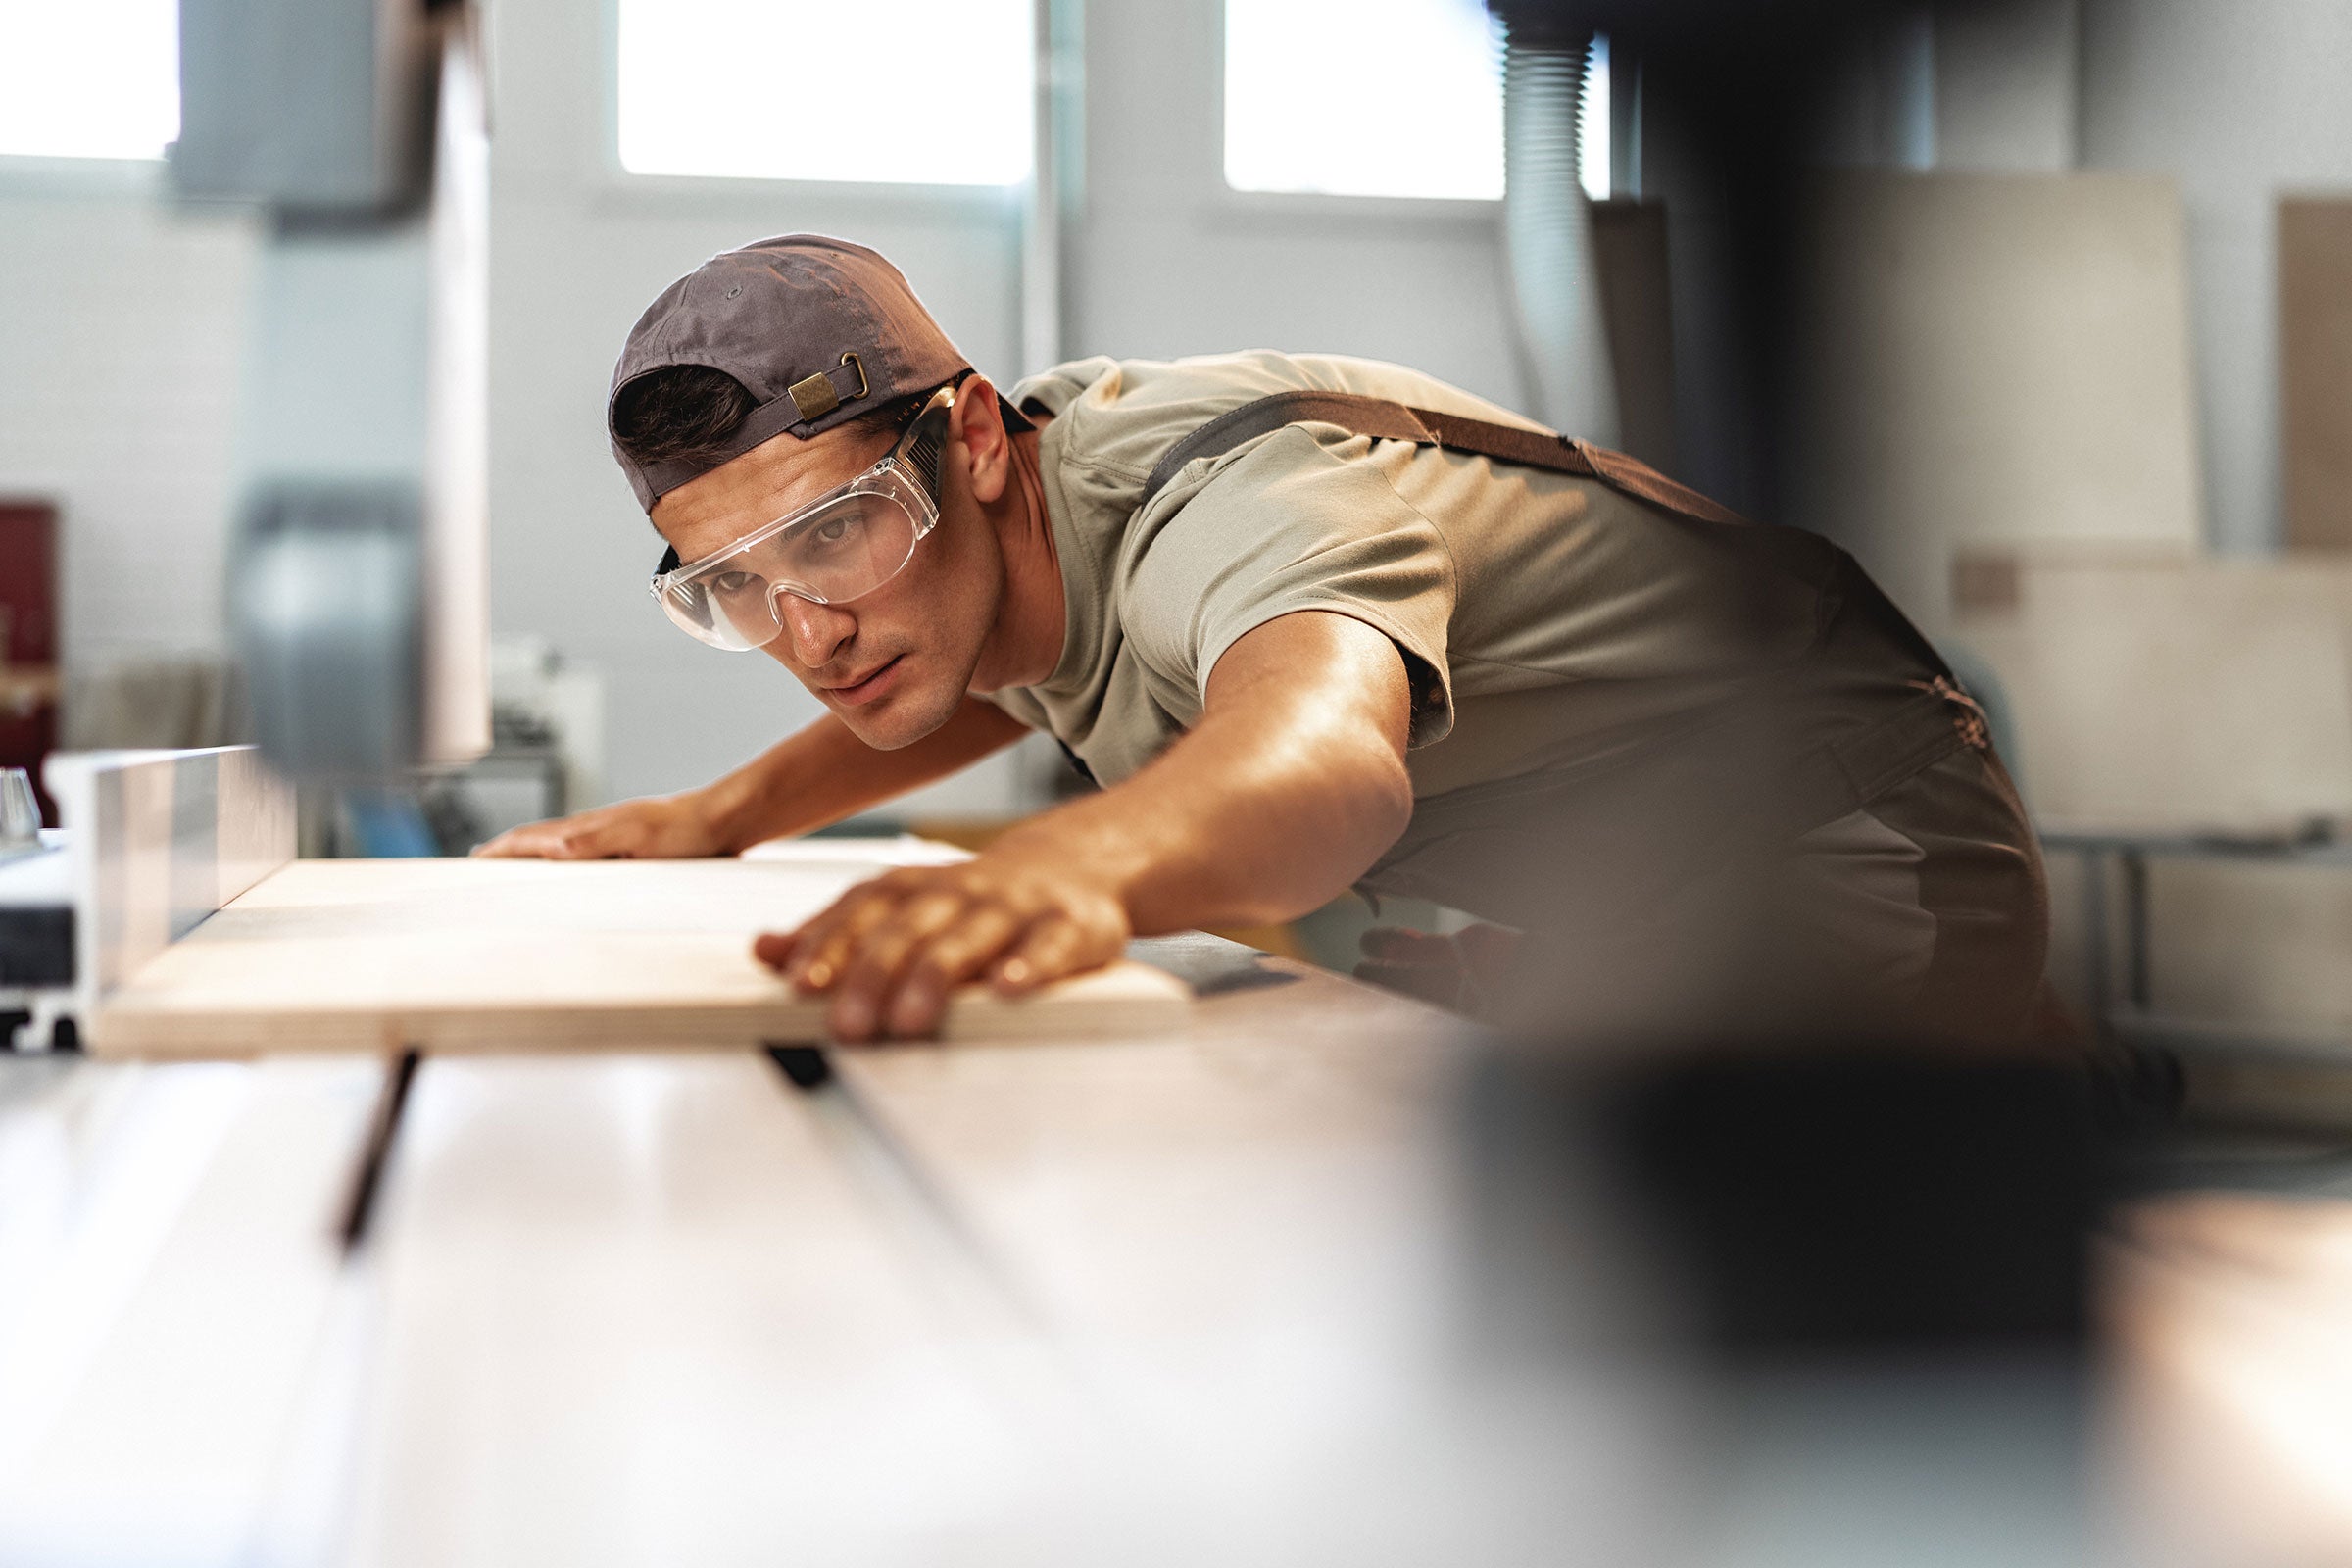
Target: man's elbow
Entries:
(1369, 805)
(1388, 802)
(1354, 819)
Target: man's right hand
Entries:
(663, 827)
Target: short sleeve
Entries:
(1286, 524)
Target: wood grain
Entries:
(495, 955)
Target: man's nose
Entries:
(817, 630)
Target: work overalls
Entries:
(1833, 846)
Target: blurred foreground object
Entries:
(1874, 1258)
(2231, 1440)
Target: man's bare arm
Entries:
(818, 775)
(1291, 784)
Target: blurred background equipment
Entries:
(29, 653)
(357, 588)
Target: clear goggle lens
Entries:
(837, 552)
(848, 542)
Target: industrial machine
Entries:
(357, 593)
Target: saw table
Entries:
(1194, 1291)
(627, 1291)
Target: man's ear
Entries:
(978, 427)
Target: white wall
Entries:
(2238, 100)
(122, 327)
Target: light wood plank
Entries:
(2160, 694)
(2315, 369)
(1994, 357)
(491, 955)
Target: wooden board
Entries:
(2160, 694)
(2315, 369)
(1990, 358)
(493, 955)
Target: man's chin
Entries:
(900, 719)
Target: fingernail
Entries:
(853, 1018)
(815, 977)
(1017, 972)
(913, 1012)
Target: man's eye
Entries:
(833, 530)
(733, 582)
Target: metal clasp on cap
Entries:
(816, 396)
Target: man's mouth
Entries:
(867, 687)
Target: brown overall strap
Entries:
(1394, 421)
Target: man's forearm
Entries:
(1289, 786)
(824, 772)
(1288, 789)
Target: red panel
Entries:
(29, 638)
(29, 582)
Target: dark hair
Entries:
(690, 411)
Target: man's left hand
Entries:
(888, 952)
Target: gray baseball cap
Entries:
(818, 330)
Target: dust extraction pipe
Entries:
(1547, 225)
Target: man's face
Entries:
(893, 663)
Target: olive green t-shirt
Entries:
(1543, 619)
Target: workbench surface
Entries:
(1182, 1298)
(667, 1307)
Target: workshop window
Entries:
(93, 78)
(1379, 98)
(939, 93)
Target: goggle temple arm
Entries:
(924, 446)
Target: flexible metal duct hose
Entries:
(1548, 229)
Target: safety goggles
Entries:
(847, 542)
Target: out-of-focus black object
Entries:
(1866, 1197)
(804, 1067)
